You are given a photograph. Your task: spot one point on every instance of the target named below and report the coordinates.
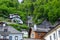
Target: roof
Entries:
(13, 30)
(14, 16)
(46, 26)
(56, 27)
(43, 27)
(10, 29)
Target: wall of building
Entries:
(37, 35)
(56, 32)
(25, 34)
(32, 35)
(48, 37)
(20, 36)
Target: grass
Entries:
(4, 19)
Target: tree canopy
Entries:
(41, 9)
(38, 9)
(8, 6)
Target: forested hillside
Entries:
(11, 7)
(8, 6)
(38, 9)
(41, 9)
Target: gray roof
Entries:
(10, 29)
(4, 33)
(43, 29)
(45, 26)
(13, 30)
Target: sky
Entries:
(19, 0)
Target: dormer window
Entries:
(5, 30)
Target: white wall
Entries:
(58, 38)
(32, 35)
(25, 33)
(51, 34)
(20, 36)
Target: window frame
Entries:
(54, 36)
(16, 37)
(50, 37)
(5, 30)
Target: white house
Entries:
(53, 34)
(25, 33)
(15, 18)
(9, 33)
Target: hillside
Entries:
(38, 9)
(41, 9)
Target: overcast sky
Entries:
(19, 0)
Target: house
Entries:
(25, 33)
(53, 34)
(38, 31)
(9, 33)
(15, 18)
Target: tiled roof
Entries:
(10, 29)
(13, 30)
(44, 24)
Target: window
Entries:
(10, 37)
(16, 37)
(4, 37)
(40, 34)
(50, 38)
(32, 35)
(5, 30)
(59, 33)
(54, 36)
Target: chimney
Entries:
(4, 24)
(35, 26)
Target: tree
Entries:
(7, 7)
(42, 9)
